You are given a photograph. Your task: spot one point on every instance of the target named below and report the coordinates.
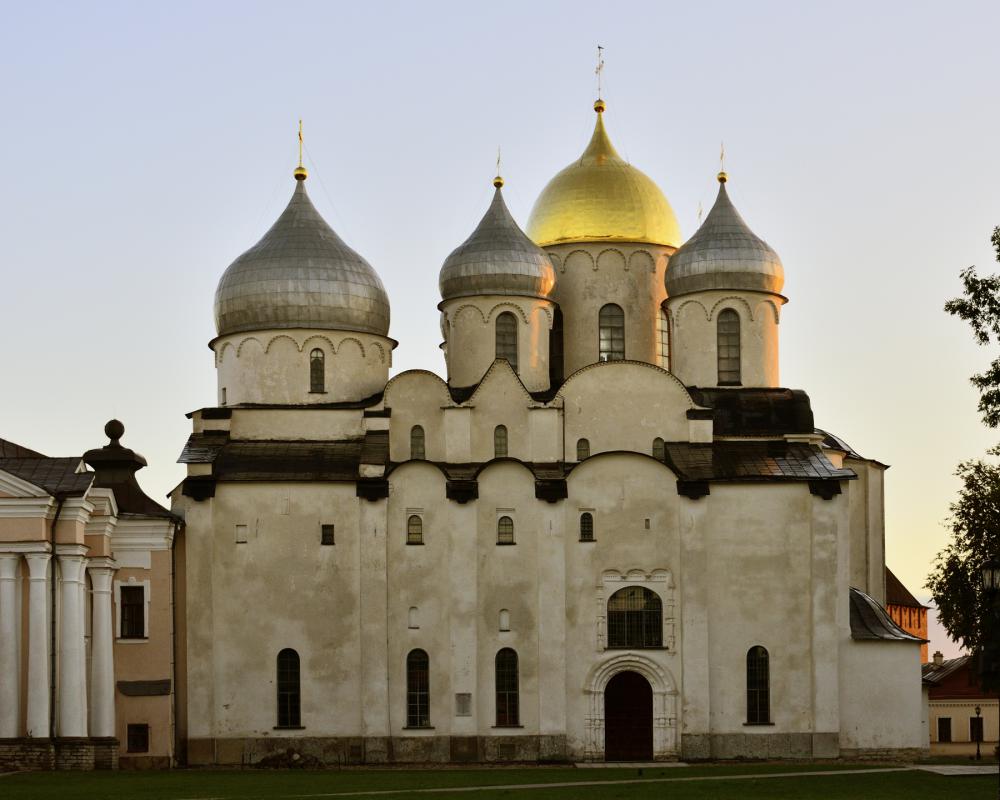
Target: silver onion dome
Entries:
(301, 274)
(498, 258)
(724, 254)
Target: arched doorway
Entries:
(628, 718)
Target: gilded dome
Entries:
(498, 258)
(724, 254)
(301, 274)
(601, 197)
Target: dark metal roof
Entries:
(756, 412)
(61, 477)
(14, 450)
(936, 673)
(751, 461)
(869, 621)
(898, 595)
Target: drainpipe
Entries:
(52, 619)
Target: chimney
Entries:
(938, 658)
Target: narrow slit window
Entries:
(728, 329)
(326, 534)
(758, 686)
(507, 690)
(418, 709)
(417, 451)
(586, 527)
(289, 699)
(664, 339)
(611, 333)
(582, 449)
(500, 441)
(317, 371)
(505, 530)
(506, 338)
(504, 619)
(413, 619)
(659, 449)
(414, 530)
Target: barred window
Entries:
(507, 688)
(288, 689)
(664, 331)
(326, 534)
(500, 441)
(586, 527)
(659, 449)
(414, 530)
(758, 687)
(582, 449)
(417, 443)
(133, 612)
(635, 618)
(505, 530)
(507, 338)
(611, 329)
(418, 707)
(728, 329)
(317, 371)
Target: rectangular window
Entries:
(241, 534)
(944, 729)
(463, 704)
(326, 534)
(133, 612)
(137, 738)
(975, 729)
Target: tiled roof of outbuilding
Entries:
(60, 477)
(14, 450)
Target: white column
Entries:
(102, 667)
(72, 652)
(38, 645)
(10, 647)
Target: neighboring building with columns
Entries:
(609, 534)
(86, 600)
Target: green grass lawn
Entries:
(737, 781)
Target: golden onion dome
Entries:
(601, 197)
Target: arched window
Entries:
(728, 328)
(635, 618)
(758, 686)
(504, 619)
(418, 695)
(664, 343)
(414, 530)
(413, 619)
(417, 442)
(500, 441)
(586, 527)
(317, 371)
(507, 338)
(659, 450)
(505, 530)
(582, 449)
(288, 689)
(611, 325)
(507, 691)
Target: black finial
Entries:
(114, 430)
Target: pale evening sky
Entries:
(145, 146)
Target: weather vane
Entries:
(600, 68)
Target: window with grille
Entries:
(659, 449)
(664, 343)
(586, 527)
(500, 441)
(728, 337)
(611, 333)
(758, 686)
(507, 338)
(417, 442)
(505, 530)
(507, 689)
(414, 530)
(133, 616)
(582, 449)
(418, 709)
(317, 371)
(137, 738)
(326, 534)
(635, 618)
(944, 729)
(288, 689)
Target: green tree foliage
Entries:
(980, 307)
(975, 525)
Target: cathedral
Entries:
(608, 534)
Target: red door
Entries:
(628, 718)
